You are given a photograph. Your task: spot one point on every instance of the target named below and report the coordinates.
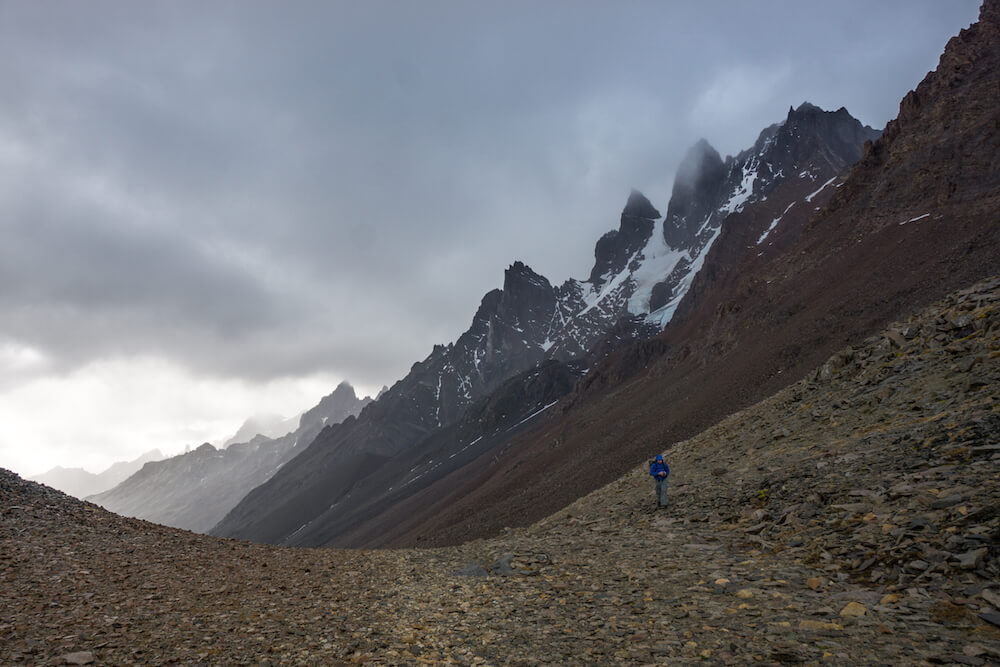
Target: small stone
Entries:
(502, 565)
(78, 658)
(472, 570)
(809, 624)
(853, 610)
(991, 617)
(889, 598)
(991, 596)
(970, 560)
(721, 581)
(744, 593)
(814, 582)
(947, 501)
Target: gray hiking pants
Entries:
(661, 491)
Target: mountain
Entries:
(810, 147)
(787, 282)
(267, 426)
(851, 518)
(80, 483)
(419, 431)
(196, 489)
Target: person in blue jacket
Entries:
(659, 470)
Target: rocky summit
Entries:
(851, 518)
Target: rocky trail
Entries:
(853, 518)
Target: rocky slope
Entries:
(365, 464)
(195, 490)
(81, 483)
(764, 311)
(851, 518)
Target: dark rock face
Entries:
(810, 134)
(396, 491)
(638, 206)
(195, 490)
(955, 105)
(618, 247)
(334, 408)
(697, 190)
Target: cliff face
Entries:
(944, 142)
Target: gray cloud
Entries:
(264, 189)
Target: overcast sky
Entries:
(215, 209)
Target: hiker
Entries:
(659, 471)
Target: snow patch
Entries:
(809, 198)
(919, 217)
(665, 313)
(774, 223)
(593, 298)
(743, 191)
(533, 415)
(466, 447)
(659, 259)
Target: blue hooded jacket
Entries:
(657, 466)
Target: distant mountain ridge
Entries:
(195, 490)
(80, 483)
(528, 322)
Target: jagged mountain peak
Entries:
(700, 178)
(700, 163)
(520, 282)
(614, 251)
(810, 144)
(518, 270)
(345, 389)
(804, 108)
(638, 206)
(811, 134)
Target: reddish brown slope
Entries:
(758, 319)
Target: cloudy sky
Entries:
(215, 209)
